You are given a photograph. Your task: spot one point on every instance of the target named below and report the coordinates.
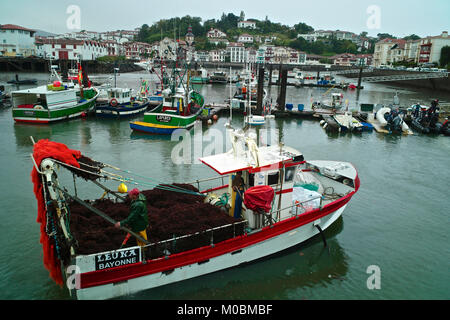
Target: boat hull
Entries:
(121, 111)
(155, 128)
(119, 281)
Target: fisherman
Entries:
(434, 107)
(137, 220)
(238, 187)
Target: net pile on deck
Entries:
(171, 214)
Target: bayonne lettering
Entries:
(116, 259)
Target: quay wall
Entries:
(39, 65)
(437, 84)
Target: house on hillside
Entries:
(245, 38)
(247, 24)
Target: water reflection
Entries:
(23, 132)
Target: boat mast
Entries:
(231, 109)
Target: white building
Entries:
(215, 33)
(201, 56)
(70, 49)
(168, 49)
(217, 55)
(310, 37)
(245, 38)
(16, 41)
(388, 51)
(137, 50)
(247, 24)
(236, 50)
(430, 48)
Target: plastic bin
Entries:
(300, 107)
(289, 106)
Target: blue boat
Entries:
(119, 103)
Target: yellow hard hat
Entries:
(122, 188)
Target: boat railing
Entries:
(209, 237)
(295, 210)
(197, 182)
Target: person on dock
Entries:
(137, 220)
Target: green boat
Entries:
(199, 76)
(177, 111)
(53, 102)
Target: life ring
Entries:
(113, 102)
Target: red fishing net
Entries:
(49, 149)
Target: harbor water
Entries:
(397, 224)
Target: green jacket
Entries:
(138, 218)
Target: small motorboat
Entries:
(347, 122)
(392, 121)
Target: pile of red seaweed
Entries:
(171, 214)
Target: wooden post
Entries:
(259, 101)
(270, 74)
(282, 96)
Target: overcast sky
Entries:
(397, 17)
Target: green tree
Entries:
(412, 37)
(303, 28)
(445, 57)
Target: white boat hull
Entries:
(247, 254)
(380, 115)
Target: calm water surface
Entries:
(398, 221)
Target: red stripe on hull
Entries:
(32, 121)
(123, 273)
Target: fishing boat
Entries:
(199, 76)
(179, 110)
(335, 102)
(121, 103)
(53, 102)
(219, 77)
(287, 201)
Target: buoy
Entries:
(83, 114)
(56, 84)
(122, 188)
(322, 122)
(209, 121)
(215, 117)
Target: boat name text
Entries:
(117, 258)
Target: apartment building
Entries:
(16, 41)
(430, 48)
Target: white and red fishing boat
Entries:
(287, 201)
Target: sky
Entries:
(397, 17)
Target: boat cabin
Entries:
(336, 99)
(45, 97)
(119, 95)
(298, 186)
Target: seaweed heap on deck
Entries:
(171, 214)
